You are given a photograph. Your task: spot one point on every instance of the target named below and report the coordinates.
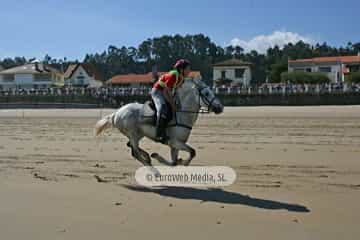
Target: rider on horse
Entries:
(162, 94)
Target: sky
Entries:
(69, 28)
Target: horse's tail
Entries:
(104, 124)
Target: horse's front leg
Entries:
(173, 162)
(177, 145)
(174, 156)
(174, 153)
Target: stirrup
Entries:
(162, 139)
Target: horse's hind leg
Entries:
(138, 153)
(145, 156)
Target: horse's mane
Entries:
(191, 83)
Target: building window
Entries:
(239, 73)
(145, 84)
(325, 69)
(8, 78)
(123, 84)
(308, 70)
(223, 74)
(355, 68)
(42, 77)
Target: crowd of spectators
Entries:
(127, 91)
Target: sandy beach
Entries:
(298, 177)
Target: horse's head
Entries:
(207, 97)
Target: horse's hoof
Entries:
(173, 164)
(145, 162)
(154, 155)
(186, 163)
(179, 161)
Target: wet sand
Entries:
(298, 177)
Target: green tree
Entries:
(276, 71)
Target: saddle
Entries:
(149, 113)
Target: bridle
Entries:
(201, 98)
(205, 100)
(201, 110)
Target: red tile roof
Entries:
(344, 59)
(131, 78)
(141, 78)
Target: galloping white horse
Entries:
(132, 122)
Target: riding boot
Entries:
(160, 130)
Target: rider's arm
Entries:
(167, 82)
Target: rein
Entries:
(176, 124)
(201, 110)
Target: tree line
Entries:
(200, 50)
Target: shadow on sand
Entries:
(219, 196)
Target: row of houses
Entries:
(30, 75)
(336, 68)
(38, 75)
(232, 72)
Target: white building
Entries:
(334, 67)
(232, 72)
(32, 75)
(82, 75)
